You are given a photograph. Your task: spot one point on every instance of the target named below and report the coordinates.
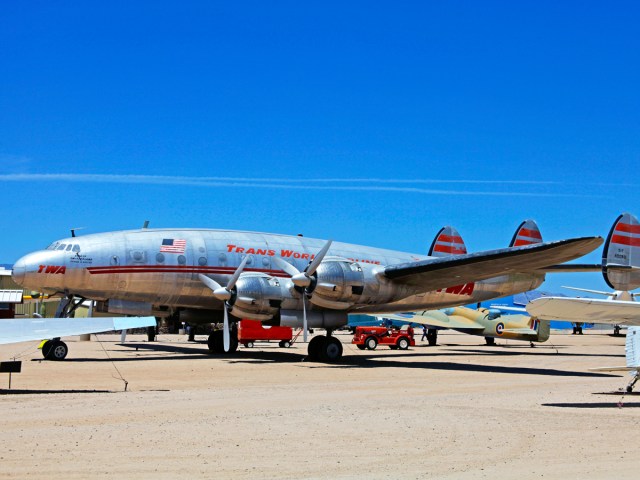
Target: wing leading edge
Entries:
(592, 310)
(28, 329)
(436, 273)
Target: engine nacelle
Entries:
(339, 283)
(258, 296)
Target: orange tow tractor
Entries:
(371, 337)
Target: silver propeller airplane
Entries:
(203, 275)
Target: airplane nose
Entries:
(18, 272)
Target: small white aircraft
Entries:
(632, 353)
(621, 271)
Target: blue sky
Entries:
(367, 123)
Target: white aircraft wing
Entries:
(16, 330)
(436, 273)
(592, 310)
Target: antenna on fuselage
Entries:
(73, 231)
(145, 224)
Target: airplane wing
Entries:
(436, 318)
(592, 310)
(16, 330)
(436, 273)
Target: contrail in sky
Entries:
(335, 184)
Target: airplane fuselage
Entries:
(161, 267)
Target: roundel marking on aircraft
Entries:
(499, 328)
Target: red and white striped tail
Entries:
(527, 233)
(621, 254)
(447, 242)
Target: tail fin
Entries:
(621, 254)
(527, 233)
(447, 242)
(543, 327)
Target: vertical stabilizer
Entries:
(447, 242)
(621, 254)
(632, 349)
(527, 233)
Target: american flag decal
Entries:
(173, 245)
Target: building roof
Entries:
(10, 296)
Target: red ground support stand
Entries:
(250, 331)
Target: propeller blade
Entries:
(236, 274)
(304, 318)
(286, 266)
(318, 258)
(209, 282)
(225, 330)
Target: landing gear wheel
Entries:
(315, 347)
(371, 343)
(249, 344)
(490, 341)
(332, 350)
(432, 337)
(402, 343)
(55, 350)
(216, 342)
(284, 343)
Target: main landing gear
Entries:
(216, 342)
(325, 348)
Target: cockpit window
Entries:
(69, 247)
(76, 248)
(53, 246)
(62, 246)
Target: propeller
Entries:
(225, 294)
(303, 279)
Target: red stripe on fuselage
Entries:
(178, 269)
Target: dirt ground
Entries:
(457, 410)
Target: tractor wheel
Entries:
(371, 343)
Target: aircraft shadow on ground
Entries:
(593, 405)
(15, 391)
(356, 360)
(533, 351)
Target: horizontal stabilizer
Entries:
(27, 329)
(436, 273)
